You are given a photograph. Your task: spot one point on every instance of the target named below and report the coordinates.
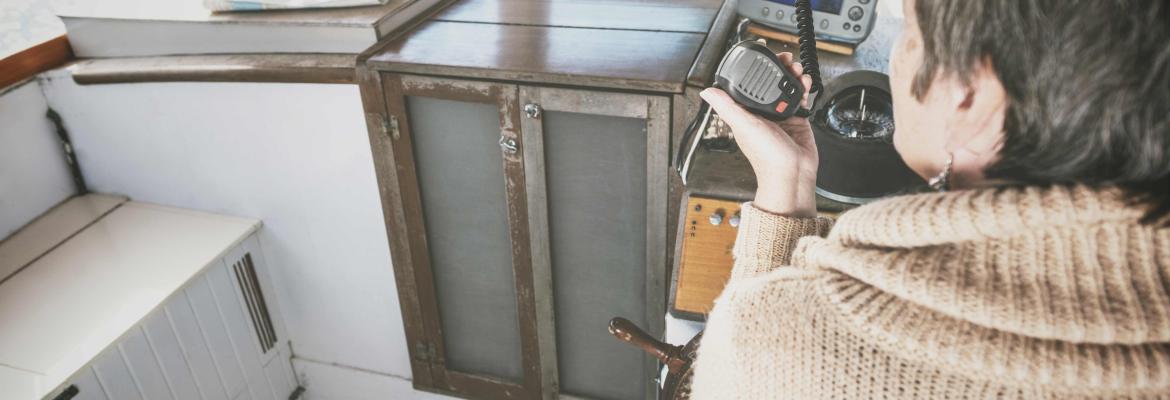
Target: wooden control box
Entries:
(707, 231)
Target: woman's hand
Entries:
(782, 154)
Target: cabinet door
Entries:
(459, 234)
(597, 165)
(521, 220)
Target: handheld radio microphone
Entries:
(756, 79)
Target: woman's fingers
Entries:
(729, 111)
(785, 57)
(807, 81)
(797, 69)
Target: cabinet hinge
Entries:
(387, 125)
(391, 127)
(425, 352)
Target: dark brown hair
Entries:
(1087, 82)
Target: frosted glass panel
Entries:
(461, 177)
(596, 171)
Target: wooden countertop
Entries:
(650, 15)
(65, 308)
(647, 45)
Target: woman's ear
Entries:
(975, 129)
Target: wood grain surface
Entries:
(661, 15)
(623, 59)
(291, 68)
(765, 32)
(37, 59)
(705, 264)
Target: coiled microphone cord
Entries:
(808, 44)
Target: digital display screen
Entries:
(825, 6)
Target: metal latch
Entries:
(508, 144)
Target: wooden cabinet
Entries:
(528, 217)
(525, 178)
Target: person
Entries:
(1041, 269)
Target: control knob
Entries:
(716, 218)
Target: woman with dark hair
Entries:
(1040, 268)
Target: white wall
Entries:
(26, 23)
(33, 173)
(297, 157)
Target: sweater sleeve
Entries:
(753, 334)
(765, 240)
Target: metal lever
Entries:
(508, 145)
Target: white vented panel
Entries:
(202, 344)
(244, 271)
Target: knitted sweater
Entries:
(1050, 293)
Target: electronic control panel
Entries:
(707, 233)
(846, 21)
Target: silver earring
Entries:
(942, 181)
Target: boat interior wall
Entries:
(33, 173)
(295, 156)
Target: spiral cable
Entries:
(808, 44)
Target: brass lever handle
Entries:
(667, 353)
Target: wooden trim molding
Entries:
(40, 58)
(287, 68)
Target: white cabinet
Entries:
(202, 344)
(146, 302)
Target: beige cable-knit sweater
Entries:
(1030, 293)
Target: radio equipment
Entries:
(844, 21)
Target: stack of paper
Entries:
(138, 28)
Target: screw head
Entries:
(532, 110)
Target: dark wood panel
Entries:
(295, 68)
(37, 59)
(630, 60)
(429, 347)
(445, 380)
(721, 31)
(725, 174)
(684, 106)
(412, 291)
(516, 189)
(688, 16)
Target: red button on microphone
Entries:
(780, 107)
